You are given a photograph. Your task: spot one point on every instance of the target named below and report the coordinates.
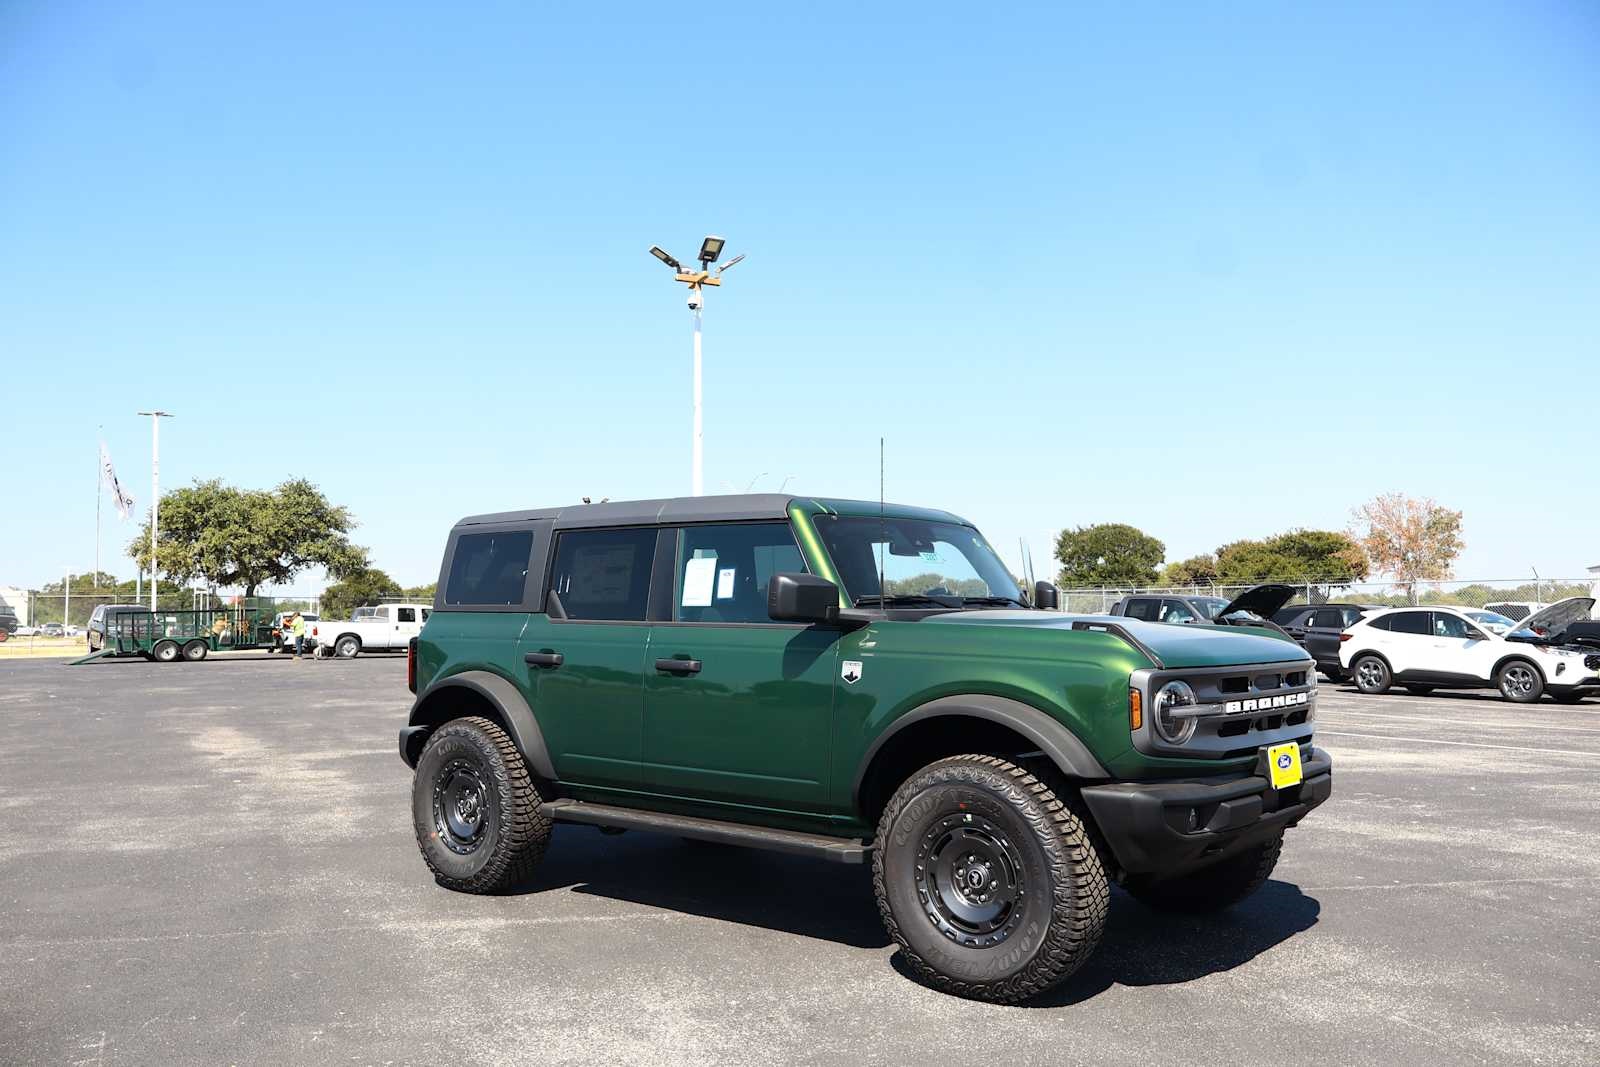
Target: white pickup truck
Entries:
(385, 628)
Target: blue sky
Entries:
(1215, 271)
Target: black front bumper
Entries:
(1148, 824)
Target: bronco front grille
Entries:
(1243, 708)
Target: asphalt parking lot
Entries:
(213, 863)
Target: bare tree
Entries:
(1414, 540)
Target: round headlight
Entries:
(1169, 698)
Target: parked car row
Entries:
(1554, 650)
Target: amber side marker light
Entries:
(1135, 709)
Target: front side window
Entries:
(1176, 611)
(919, 559)
(1208, 605)
(1450, 626)
(723, 570)
(406, 614)
(604, 574)
(489, 568)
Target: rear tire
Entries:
(1519, 682)
(165, 651)
(195, 651)
(987, 881)
(477, 816)
(1371, 674)
(1212, 888)
(347, 647)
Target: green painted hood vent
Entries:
(1188, 645)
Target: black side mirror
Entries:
(1046, 597)
(802, 598)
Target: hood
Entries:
(1558, 616)
(1263, 601)
(1175, 646)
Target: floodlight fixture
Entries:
(710, 249)
(666, 257)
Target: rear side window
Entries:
(1330, 618)
(489, 568)
(1410, 622)
(1143, 608)
(604, 574)
(406, 615)
(1352, 615)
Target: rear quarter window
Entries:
(489, 568)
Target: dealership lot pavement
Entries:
(213, 863)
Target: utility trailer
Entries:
(169, 636)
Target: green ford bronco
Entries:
(858, 683)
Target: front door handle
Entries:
(543, 659)
(679, 666)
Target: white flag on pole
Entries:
(108, 477)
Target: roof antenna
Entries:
(1027, 567)
(883, 531)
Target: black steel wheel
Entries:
(475, 810)
(1371, 674)
(987, 880)
(1520, 682)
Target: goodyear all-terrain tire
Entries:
(1519, 681)
(476, 812)
(1372, 674)
(987, 880)
(1212, 888)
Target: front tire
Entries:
(1215, 887)
(164, 652)
(1520, 682)
(477, 815)
(1371, 674)
(987, 881)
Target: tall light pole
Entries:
(155, 492)
(696, 280)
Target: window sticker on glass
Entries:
(698, 574)
(931, 556)
(725, 583)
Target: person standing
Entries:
(297, 627)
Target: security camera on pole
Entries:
(710, 251)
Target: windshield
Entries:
(1493, 621)
(1208, 605)
(918, 559)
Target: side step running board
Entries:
(835, 849)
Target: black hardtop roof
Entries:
(734, 507)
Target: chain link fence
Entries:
(1515, 597)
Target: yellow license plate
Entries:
(1284, 763)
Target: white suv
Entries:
(1469, 648)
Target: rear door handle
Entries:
(543, 659)
(679, 666)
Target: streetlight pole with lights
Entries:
(155, 491)
(710, 252)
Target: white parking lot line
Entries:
(1508, 725)
(1463, 744)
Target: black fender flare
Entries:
(502, 694)
(1053, 738)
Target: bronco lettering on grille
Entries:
(1234, 707)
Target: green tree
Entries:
(366, 586)
(1196, 570)
(1110, 553)
(249, 537)
(1326, 557)
(422, 592)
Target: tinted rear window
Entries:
(604, 574)
(489, 568)
(1410, 622)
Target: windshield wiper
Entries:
(909, 598)
(993, 600)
